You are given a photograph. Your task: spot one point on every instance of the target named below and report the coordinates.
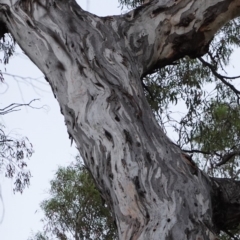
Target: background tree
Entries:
(186, 203)
(75, 209)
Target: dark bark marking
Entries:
(137, 226)
(193, 167)
(102, 147)
(136, 11)
(184, 22)
(125, 61)
(117, 118)
(7, 13)
(72, 115)
(76, 119)
(148, 157)
(109, 136)
(3, 29)
(213, 12)
(128, 137)
(56, 38)
(124, 163)
(98, 174)
(137, 43)
(54, 4)
(139, 189)
(158, 10)
(120, 186)
(81, 68)
(112, 97)
(99, 85)
(107, 19)
(109, 167)
(29, 24)
(60, 66)
(79, 15)
(92, 161)
(183, 44)
(96, 63)
(133, 103)
(138, 144)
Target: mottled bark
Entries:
(94, 66)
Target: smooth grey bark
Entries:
(94, 66)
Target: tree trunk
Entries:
(94, 66)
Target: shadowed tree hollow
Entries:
(95, 66)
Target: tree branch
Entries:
(14, 107)
(175, 34)
(197, 151)
(220, 77)
(228, 156)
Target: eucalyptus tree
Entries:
(95, 66)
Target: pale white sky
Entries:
(46, 130)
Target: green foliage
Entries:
(218, 135)
(39, 236)
(13, 155)
(14, 152)
(75, 209)
(222, 126)
(229, 235)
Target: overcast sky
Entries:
(45, 129)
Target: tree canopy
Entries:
(75, 209)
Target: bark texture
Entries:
(94, 66)
(226, 203)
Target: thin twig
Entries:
(228, 156)
(221, 77)
(196, 151)
(13, 107)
